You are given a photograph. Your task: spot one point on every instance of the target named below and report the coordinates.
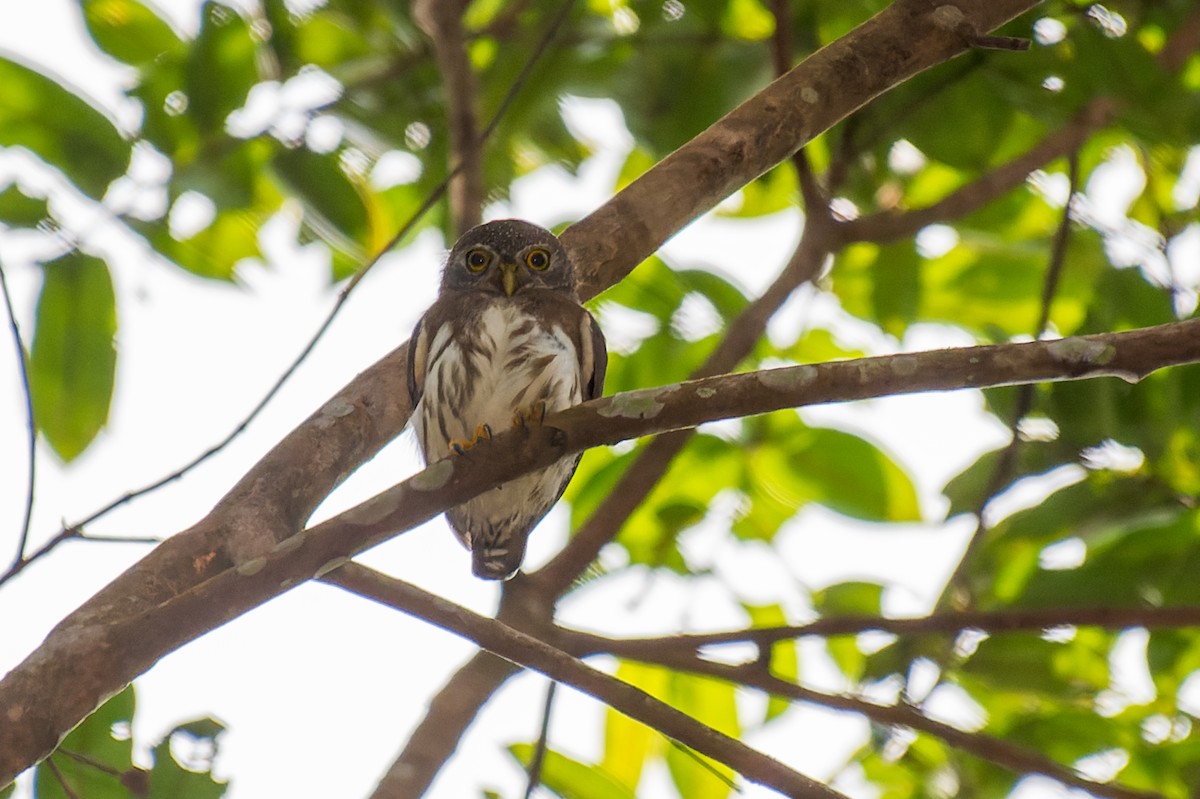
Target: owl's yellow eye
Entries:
(477, 260)
(538, 259)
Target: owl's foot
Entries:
(482, 433)
(531, 416)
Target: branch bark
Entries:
(949, 622)
(441, 20)
(177, 591)
(531, 652)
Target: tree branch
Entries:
(949, 622)
(441, 20)
(533, 653)
(821, 91)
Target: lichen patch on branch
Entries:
(642, 404)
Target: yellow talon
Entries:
(534, 414)
(482, 433)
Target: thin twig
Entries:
(940, 623)
(61, 778)
(70, 534)
(31, 426)
(534, 772)
(957, 593)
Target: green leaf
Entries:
(848, 599)
(785, 661)
(93, 739)
(572, 779)
(170, 779)
(221, 67)
(749, 20)
(73, 359)
(214, 252)
(128, 30)
(19, 210)
(711, 702)
(335, 206)
(37, 112)
(786, 464)
(628, 744)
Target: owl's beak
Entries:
(508, 277)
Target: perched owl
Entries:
(505, 343)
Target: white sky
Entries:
(320, 688)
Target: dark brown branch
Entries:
(441, 20)
(533, 653)
(889, 226)
(945, 623)
(1017, 759)
(821, 91)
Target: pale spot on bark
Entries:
(433, 478)
(789, 378)
(251, 567)
(1081, 351)
(642, 404)
(336, 563)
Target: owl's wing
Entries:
(418, 354)
(593, 358)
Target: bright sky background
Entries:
(319, 688)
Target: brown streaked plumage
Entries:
(506, 336)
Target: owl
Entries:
(505, 343)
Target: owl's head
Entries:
(508, 256)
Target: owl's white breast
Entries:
(505, 359)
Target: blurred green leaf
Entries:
(711, 702)
(39, 112)
(171, 779)
(221, 67)
(95, 739)
(19, 210)
(73, 358)
(335, 205)
(128, 30)
(572, 779)
(786, 464)
(785, 660)
(628, 744)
